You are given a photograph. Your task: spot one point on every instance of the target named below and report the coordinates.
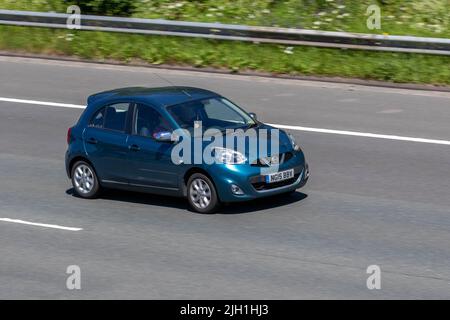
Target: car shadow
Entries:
(262, 203)
(138, 197)
(181, 203)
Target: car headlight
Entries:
(228, 156)
(295, 146)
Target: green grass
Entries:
(396, 67)
(411, 17)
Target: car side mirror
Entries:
(164, 136)
(253, 115)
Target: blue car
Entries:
(175, 141)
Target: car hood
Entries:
(262, 135)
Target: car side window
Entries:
(98, 119)
(148, 122)
(116, 116)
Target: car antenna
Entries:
(172, 84)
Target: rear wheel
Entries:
(84, 180)
(201, 193)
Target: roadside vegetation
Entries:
(424, 18)
(235, 56)
(412, 17)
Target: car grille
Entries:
(262, 185)
(283, 157)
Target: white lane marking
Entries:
(362, 134)
(281, 126)
(53, 226)
(43, 103)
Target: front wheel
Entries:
(201, 193)
(84, 180)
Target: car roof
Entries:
(160, 96)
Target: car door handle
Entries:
(134, 147)
(92, 141)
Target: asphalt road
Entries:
(369, 201)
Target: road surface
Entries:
(370, 200)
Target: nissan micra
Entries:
(180, 141)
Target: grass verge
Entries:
(236, 56)
(430, 18)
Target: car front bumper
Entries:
(250, 180)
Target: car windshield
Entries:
(218, 113)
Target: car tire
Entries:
(202, 194)
(84, 180)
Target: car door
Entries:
(150, 162)
(105, 141)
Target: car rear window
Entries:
(98, 119)
(112, 117)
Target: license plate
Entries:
(280, 176)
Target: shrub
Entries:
(105, 7)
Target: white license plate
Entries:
(280, 176)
